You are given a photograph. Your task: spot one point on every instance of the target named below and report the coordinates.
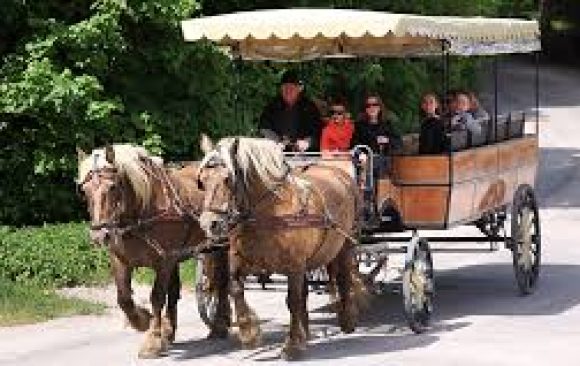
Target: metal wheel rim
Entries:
(206, 297)
(418, 288)
(526, 238)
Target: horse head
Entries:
(216, 178)
(233, 174)
(115, 186)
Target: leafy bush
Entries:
(52, 255)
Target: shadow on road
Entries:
(558, 171)
(472, 290)
(488, 289)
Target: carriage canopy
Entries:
(303, 34)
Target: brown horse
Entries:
(146, 216)
(278, 221)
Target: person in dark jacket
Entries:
(291, 118)
(374, 127)
(432, 139)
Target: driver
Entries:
(291, 118)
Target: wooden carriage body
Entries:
(459, 187)
(441, 191)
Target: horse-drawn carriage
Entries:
(480, 181)
(262, 210)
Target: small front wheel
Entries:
(418, 285)
(205, 291)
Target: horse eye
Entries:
(200, 185)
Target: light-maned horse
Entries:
(279, 221)
(147, 217)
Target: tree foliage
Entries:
(87, 72)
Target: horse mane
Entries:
(128, 162)
(255, 158)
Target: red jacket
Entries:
(336, 137)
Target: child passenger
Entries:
(337, 133)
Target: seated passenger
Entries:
(463, 119)
(432, 139)
(337, 133)
(374, 127)
(475, 108)
(449, 108)
(291, 118)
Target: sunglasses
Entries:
(368, 105)
(337, 112)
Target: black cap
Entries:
(290, 77)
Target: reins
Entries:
(176, 211)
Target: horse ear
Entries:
(110, 154)
(205, 144)
(81, 154)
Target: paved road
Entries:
(479, 318)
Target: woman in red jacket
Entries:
(337, 132)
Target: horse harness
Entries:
(176, 211)
(298, 220)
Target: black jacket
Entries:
(366, 134)
(301, 121)
(432, 139)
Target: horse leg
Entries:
(344, 279)
(220, 327)
(332, 289)
(169, 322)
(305, 320)
(138, 317)
(249, 327)
(296, 341)
(155, 344)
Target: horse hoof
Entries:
(291, 353)
(154, 347)
(218, 333)
(167, 331)
(347, 328)
(251, 339)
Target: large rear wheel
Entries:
(418, 285)
(526, 239)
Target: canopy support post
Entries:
(237, 81)
(537, 91)
(445, 60)
(495, 99)
(445, 69)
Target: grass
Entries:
(23, 304)
(186, 274)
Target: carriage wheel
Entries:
(526, 240)
(418, 285)
(205, 292)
